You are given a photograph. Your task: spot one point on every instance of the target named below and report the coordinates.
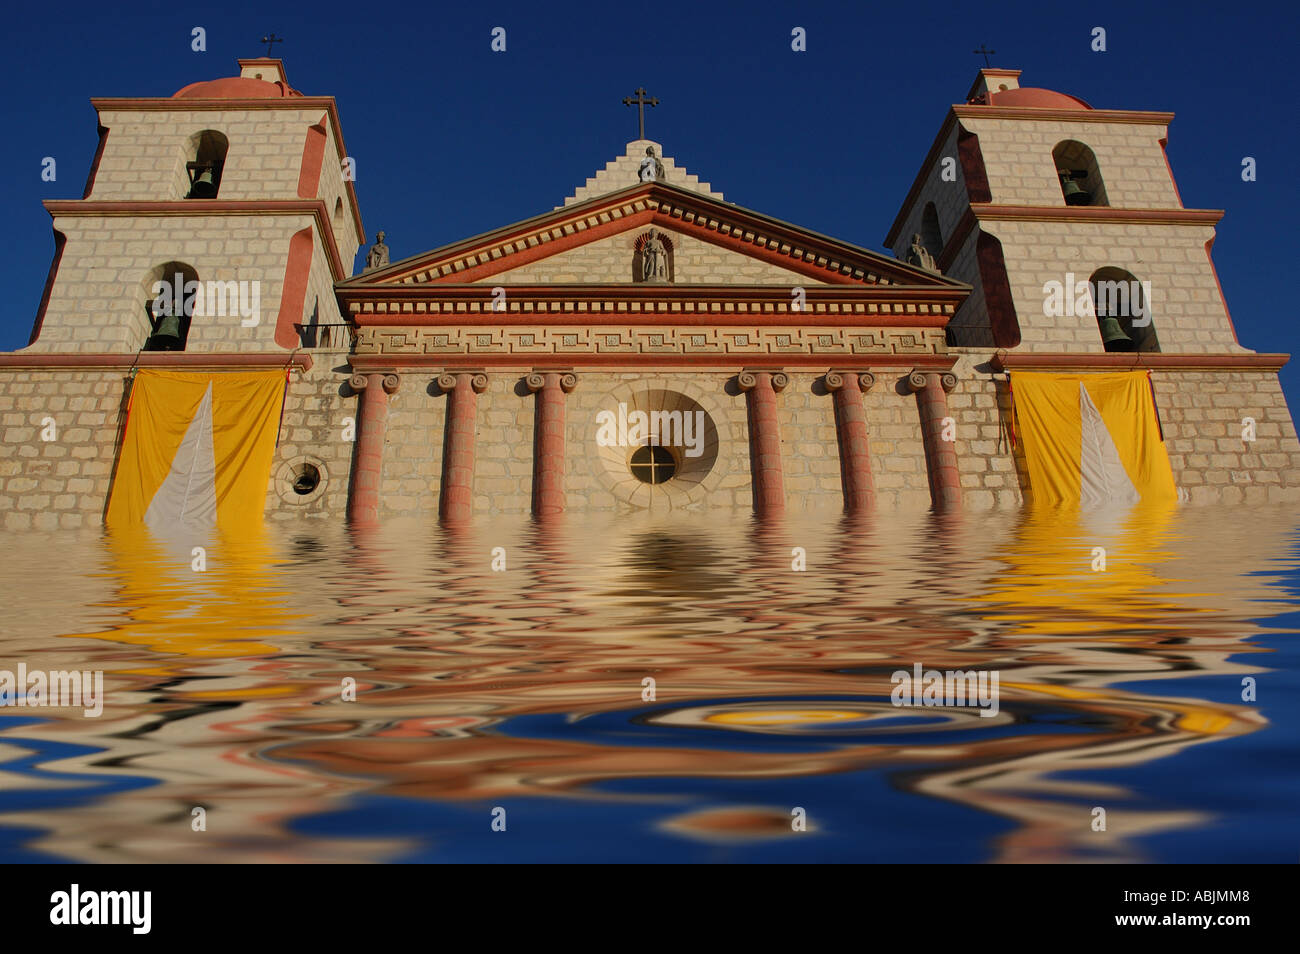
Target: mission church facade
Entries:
(748, 362)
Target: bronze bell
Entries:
(1113, 336)
(204, 185)
(1074, 193)
(167, 336)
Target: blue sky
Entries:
(452, 139)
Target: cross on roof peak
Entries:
(640, 102)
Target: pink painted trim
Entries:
(1209, 244)
(94, 165)
(177, 360)
(854, 445)
(1142, 117)
(986, 211)
(366, 363)
(1139, 362)
(368, 455)
(619, 319)
(764, 446)
(60, 240)
(297, 272)
(456, 498)
(313, 157)
(548, 447)
(940, 455)
(1164, 143)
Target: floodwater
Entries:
(1147, 711)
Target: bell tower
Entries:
(1025, 187)
(214, 220)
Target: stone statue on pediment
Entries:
(652, 169)
(918, 254)
(377, 257)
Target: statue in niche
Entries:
(654, 259)
(651, 168)
(377, 257)
(918, 254)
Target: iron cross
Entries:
(640, 103)
(985, 53)
(270, 42)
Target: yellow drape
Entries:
(1048, 409)
(245, 416)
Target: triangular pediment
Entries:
(592, 242)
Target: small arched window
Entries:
(1079, 175)
(207, 151)
(931, 236)
(170, 292)
(338, 219)
(1123, 308)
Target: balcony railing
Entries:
(332, 337)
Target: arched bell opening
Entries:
(1123, 311)
(169, 295)
(1079, 175)
(207, 158)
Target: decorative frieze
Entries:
(650, 340)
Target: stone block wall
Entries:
(63, 483)
(1202, 414)
(146, 151)
(316, 428)
(990, 462)
(970, 325)
(60, 483)
(97, 303)
(950, 199)
(1187, 308)
(623, 171)
(597, 481)
(1021, 171)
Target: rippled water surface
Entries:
(524, 689)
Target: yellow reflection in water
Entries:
(171, 599)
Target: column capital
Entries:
(478, 380)
(389, 382)
(837, 379)
(748, 379)
(536, 380)
(918, 379)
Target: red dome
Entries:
(1036, 98)
(235, 87)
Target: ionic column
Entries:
(851, 432)
(760, 389)
(548, 439)
(455, 502)
(931, 388)
(368, 455)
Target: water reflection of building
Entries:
(481, 685)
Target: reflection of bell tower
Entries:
(1026, 186)
(233, 190)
